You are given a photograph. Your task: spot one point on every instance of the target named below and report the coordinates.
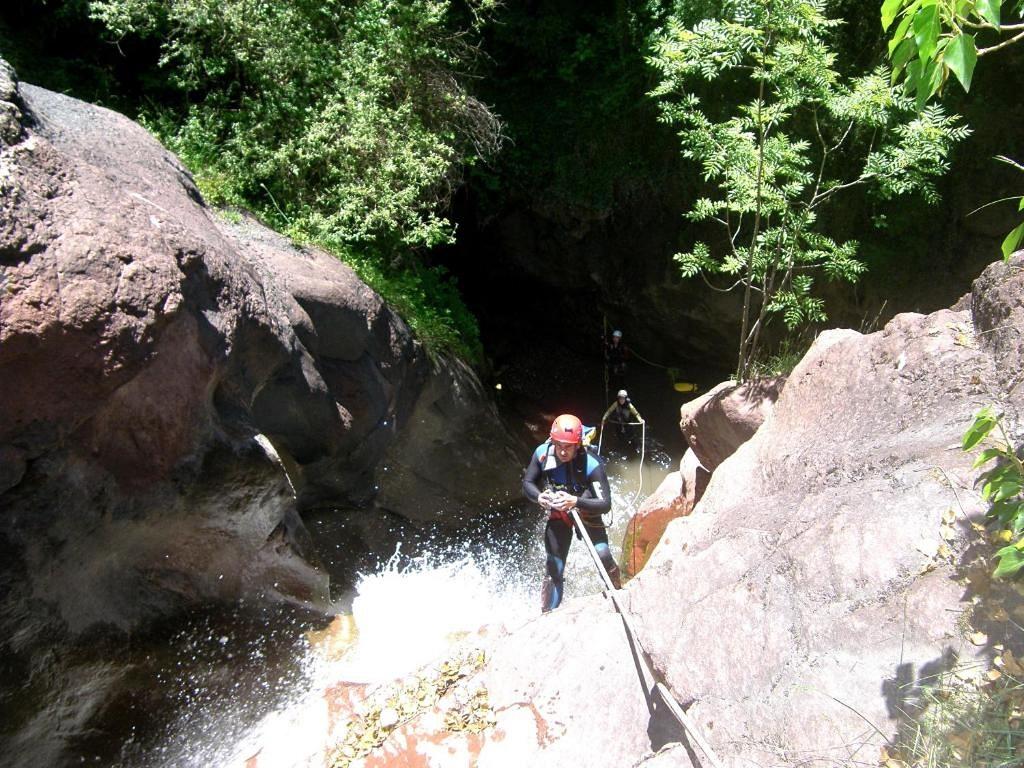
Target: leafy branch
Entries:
(1001, 487)
(791, 121)
(933, 40)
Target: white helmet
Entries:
(616, 334)
(622, 393)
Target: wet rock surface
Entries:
(821, 553)
(156, 362)
(829, 572)
(677, 496)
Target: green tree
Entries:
(774, 140)
(346, 121)
(934, 39)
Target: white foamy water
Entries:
(412, 612)
(409, 614)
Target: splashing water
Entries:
(436, 603)
(407, 614)
(252, 683)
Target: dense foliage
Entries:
(349, 123)
(346, 124)
(933, 40)
(345, 118)
(774, 142)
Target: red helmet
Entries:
(567, 429)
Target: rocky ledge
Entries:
(154, 358)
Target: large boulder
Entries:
(721, 420)
(818, 585)
(159, 364)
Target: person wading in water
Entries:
(562, 475)
(624, 416)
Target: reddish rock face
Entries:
(714, 425)
(144, 342)
(676, 497)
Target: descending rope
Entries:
(666, 695)
(643, 448)
(604, 341)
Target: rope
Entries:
(609, 590)
(604, 341)
(638, 356)
(640, 469)
(643, 447)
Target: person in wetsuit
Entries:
(616, 353)
(562, 475)
(624, 415)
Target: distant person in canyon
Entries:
(563, 474)
(616, 355)
(624, 416)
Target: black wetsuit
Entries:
(625, 418)
(585, 478)
(615, 356)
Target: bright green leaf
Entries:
(926, 31)
(1011, 560)
(984, 422)
(1013, 240)
(986, 456)
(1006, 511)
(1006, 490)
(929, 82)
(960, 56)
(901, 32)
(890, 9)
(904, 51)
(989, 11)
(913, 77)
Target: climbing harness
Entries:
(666, 695)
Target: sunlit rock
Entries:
(718, 422)
(816, 587)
